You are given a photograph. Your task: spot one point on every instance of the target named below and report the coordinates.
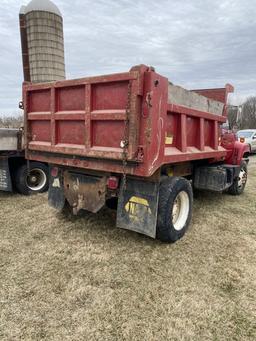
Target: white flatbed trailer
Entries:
(16, 173)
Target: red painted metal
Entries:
(235, 149)
(81, 123)
(113, 182)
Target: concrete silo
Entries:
(42, 41)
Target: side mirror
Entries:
(254, 137)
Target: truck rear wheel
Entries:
(239, 183)
(174, 209)
(33, 180)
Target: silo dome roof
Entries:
(41, 5)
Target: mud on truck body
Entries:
(136, 137)
(16, 174)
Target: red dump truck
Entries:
(135, 137)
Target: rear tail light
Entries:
(242, 139)
(113, 182)
(54, 172)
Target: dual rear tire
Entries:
(34, 179)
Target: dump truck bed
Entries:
(137, 119)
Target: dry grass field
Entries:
(80, 278)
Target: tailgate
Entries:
(88, 117)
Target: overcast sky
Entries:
(196, 43)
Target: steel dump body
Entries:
(81, 123)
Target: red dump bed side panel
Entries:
(81, 123)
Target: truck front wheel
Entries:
(174, 209)
(32, 180)
(239, 182)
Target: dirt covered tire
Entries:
(239, 183)
(174, 209)
(34, 181)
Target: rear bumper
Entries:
(137, 198)
(82, 191)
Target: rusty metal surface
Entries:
(24, 48)
(81, 123)
(179, 169)
(20, 144)
(84, 192)
(82, 112)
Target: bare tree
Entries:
(243, 116)
(248, 117)
(232, 116)
(11, 121)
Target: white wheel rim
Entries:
(36, 179)
(242, 178)
(180, 210)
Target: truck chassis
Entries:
(135, 137)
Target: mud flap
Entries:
(5, 177)
(137, 206)
(56, 197)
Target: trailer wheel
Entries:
(174, 209)
(239, 183)
(34, 181)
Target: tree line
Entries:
(243, 116)
(12, 121)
